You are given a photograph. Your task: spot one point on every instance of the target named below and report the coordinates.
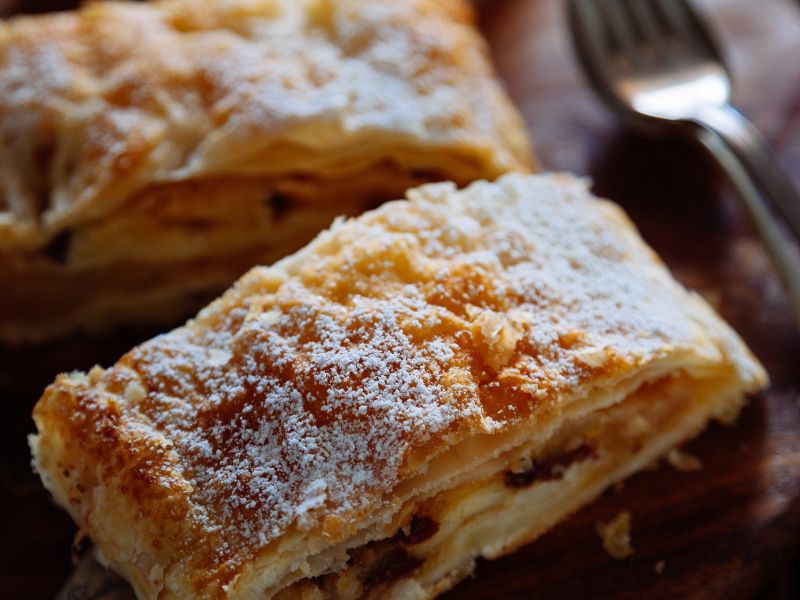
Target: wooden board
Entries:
(726, 531)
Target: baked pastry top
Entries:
(101, 103)
(414, 350)
(153, 150)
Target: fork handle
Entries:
(755, 154)
(778, 242)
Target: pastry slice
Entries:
(153, 152)
(437, 380)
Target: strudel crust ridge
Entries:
(321, 401)
(126, 95)
(156, 134)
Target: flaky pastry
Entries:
(152, 152)
(437, 380)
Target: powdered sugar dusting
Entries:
(317, 406)
(158, 92)
(312, 388)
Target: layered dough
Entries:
(170, 251)
(440, 379)
(151, 137)
(513, 499)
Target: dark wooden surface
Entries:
(731, 530)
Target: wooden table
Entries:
(727, 531)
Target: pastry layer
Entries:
(528, 491)
(418, 350)
(148, 132)
(101, 274)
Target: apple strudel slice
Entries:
(152, 152)
(440, 379)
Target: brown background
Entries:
(730, 530)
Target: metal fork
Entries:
(657, 66)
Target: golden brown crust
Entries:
(106, 110)
(104, 102)
(316, 397)
(159, 260)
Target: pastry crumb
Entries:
(660, 566)
(616, 535)
(683, 461)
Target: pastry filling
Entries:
(441, 380)
(533, 490)
(173, 249)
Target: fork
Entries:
(657, 66)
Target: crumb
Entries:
(616, 535)
(660, 567)
(683, 461)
